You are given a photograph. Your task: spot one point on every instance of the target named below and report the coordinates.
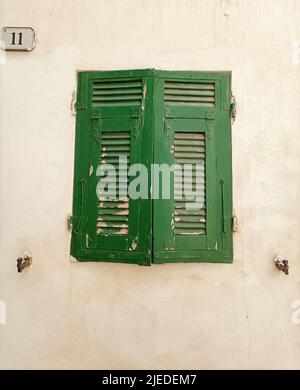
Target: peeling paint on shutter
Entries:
(113, 207)
(189, 93)
(189, 211)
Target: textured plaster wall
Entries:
(66, 315)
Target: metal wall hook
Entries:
(282, 264)
(24, 261)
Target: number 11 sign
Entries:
(18, 38)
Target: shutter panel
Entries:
(113, 131)
(192, 129)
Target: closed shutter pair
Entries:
(174, 129)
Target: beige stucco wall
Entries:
(88, 315)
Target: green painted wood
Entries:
(116, 124)
(177, 111)
(157, 117)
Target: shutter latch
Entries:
(233, 108)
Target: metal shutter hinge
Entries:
(233, 108)
(235, 224)
(71, 221)
(73, 103)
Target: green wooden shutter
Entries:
(113, 121)
(148, 116)
(192, 126)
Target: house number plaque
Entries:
(17, 38)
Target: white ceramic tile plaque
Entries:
(18, 38)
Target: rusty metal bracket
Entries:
(233, 108)
(282, 264)
(24, 261)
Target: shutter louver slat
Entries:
(113, 209)
(189, 220)
(189, 93)
(118, 93)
